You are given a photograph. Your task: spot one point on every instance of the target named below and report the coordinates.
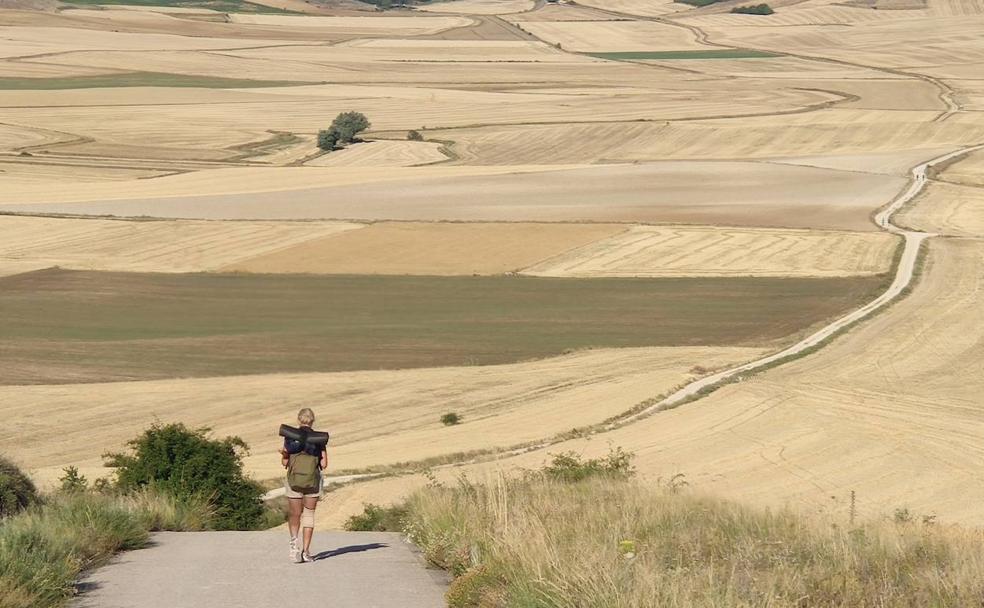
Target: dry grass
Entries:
(605, 543)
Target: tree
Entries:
(327, 139)
(753, 9)
(349, 124)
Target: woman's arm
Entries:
(284, 457)
(324, 459)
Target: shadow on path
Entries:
(349, 549)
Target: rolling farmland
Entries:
(681, 190)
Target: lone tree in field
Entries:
(343, 130)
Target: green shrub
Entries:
(753, 9)
(414, 136)
(17, 492)
(375, 518)
(450, 419)
(570, 467)
(188, 464)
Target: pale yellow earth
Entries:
(375, 417)
(731, 193)
(237, 181)
(680, 251)
(430, 249)
(149, 246)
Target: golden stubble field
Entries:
(890, 411)
(758, 166)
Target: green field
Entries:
(222, 6)
(138, 79)
(709, 54)
(61, 326)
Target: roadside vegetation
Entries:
(753, 9)
(582, 533)
(175, 479)
(187, 463)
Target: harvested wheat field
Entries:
(383, 154)
(367, 411)
(149, 246)
(599, 36)
(948, 209)
(655, 251)
(430, 249)
(480, 7)
(890, 411)
(646, 191)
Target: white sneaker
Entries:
(295, 552)
(306, 557)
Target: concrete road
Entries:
(252, 570)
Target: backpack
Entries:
(304, 473)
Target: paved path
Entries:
(252, 570)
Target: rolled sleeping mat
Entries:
(289, 432)
(317, 439)
(314, 438)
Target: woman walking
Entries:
(304, 458)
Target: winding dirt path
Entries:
(904, 275)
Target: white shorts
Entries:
(292, 494)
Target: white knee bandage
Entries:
(307, 518)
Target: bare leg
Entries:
(310, 502)
(294, 508)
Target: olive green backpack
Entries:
(303, 474)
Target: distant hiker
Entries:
(305, 456)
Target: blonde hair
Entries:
(305, 416)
